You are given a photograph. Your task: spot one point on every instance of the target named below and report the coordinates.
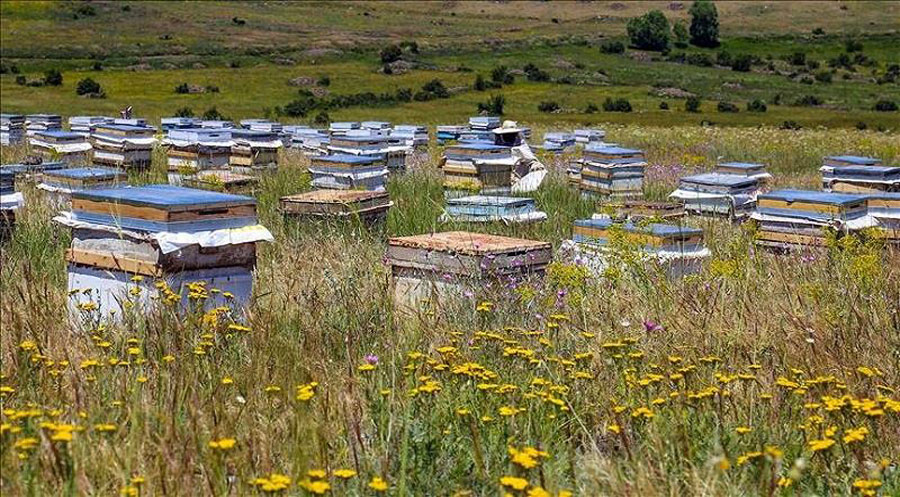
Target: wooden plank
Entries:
(154, 214)
(794, 238)
(111, 261)
(801, 206)
(463, 242)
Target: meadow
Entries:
(762, 375)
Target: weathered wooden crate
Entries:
(368, 206)
(221, 180)
(642, 209)
(438, 265)
(59, 184)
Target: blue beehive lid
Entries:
(253, 134)
(655, 229)
(811, 196)
(165, 197)
(854, 159)
(602, 149)
(84, 173)
(867, 170)
(61, 135)
(717, 179)
(742, 165)
(491, 200)
(480, 146)
(348, 159)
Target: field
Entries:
(762, 374)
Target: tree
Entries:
(479, 85)
(390, 53)
(53, 78)
(501, 75)
(493, 106)
(756, 105)
(692, 104)
(680, 32)
(88, 86)
(649, 31)
(704, 24)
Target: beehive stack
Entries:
(123, 146)
(446, 133)
(434, 266)
(477, 167)
(484, 123)
(558, 142)
(368, 207)
(745, 169)
(598, 242)
(796, 218)
(884, 207)
(382, 128)
(254, 151)
(169, 123)
(409, 135)
(373, 145)
(348, 172)
(717, 194)
(216, 124)
(10, 201)
(84, 125)
(341, 128)
(164, 232)
(65, 146)
(855, 174)
(60, 184)
(487, 208)
(311, 142)
(35, 123)
(12, 129)
(611, 172)
(196, 149)
(585, 136)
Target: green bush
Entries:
(742, 63)
(322, 119)
(493, 106)
(534, 73)
(704, 24)
(323, 80)
(548, 106)
(853, 45)
(617, 105)
(612, 47)
(501, 75)
(726, 107)
(390, 53)
(184, 112)
(53, 78)
(88, 86)
(664, 105)
(885, 105)
(808, 101)
(590, 109)
(797, 59)
(680, 34)
(756, 105)
(692, 104)
(649, 31)
(824, 76)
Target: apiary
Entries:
(435, 266)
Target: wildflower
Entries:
(344, 473)
(273, 483)
(227, 380)
(168, 358)
(378, 484)
(307, 391)
(747, 457)
(485, 307)
(27, 443)
(223, 444)
(318, 487)
(785, 482)
(538, 492)
(272, 389)
(130, 491)
(651, 326)
(855, 434)
(514, 482)
(527, 457)
(642, 412)
(372, 359)
(820, 445)
(866, 484)
(742, 430)
(366, 367)
(105, 427)
(509, 410)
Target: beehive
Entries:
(717, 194)
(348, 172)
(367, 206)
(794, 218)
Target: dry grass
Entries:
(621, 407)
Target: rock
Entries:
(673, 93)
(302, 81)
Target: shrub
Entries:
(649, 31)
(664, 105)
(323, 81)
(704, 24)
(493, 106)
(410, 46)
(53, 78)
(479, 84)
(237, 21)
(724, 58)
(842, 60)
(612, 47)
(885, 105)
(726, 107)
(617, 105)
(692, 104)
(818, 32)
(501, 75)
(590, 109)
(184, 112)
(98, 66)
(808, 101)
(432, 90)
(182, 88)
(862, 126)
(533, 73)
(853, 45)
(824, 76)
(680, 33)
(789, 124)
(699, 59)
(213, 114)
(88, 86)
(548, 106)
(812, 65)
(390, 53)
(756, 105)
(299, 107)
(742, 63)
(322, 119)
(797, 59)
(212, 89)
(21, 80)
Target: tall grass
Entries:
(633, 384)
